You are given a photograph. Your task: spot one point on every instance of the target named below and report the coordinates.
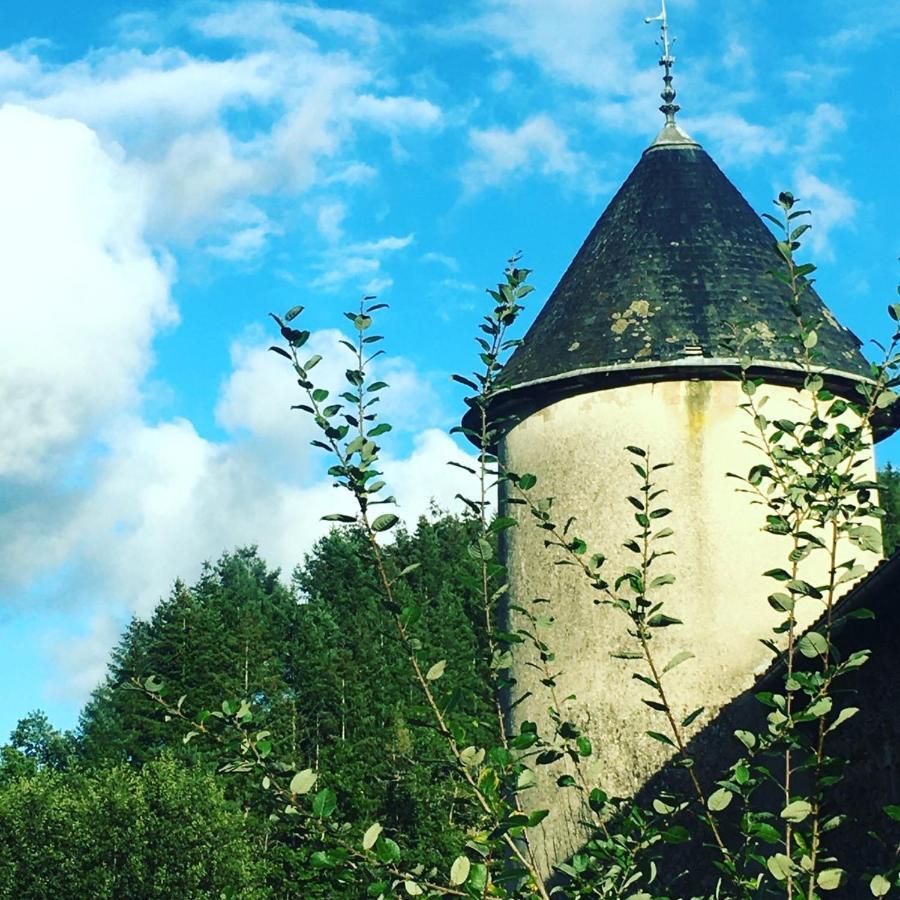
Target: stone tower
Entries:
(635, 346)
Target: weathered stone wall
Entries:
(576, 448)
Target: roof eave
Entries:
(511, 405)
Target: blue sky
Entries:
(171, 173)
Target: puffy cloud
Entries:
(579, 42)
(537, 145)
(391, 113)
(301, 107)
(82, 292)
(832, 208)
(171, 499)
(360, 264)
(122, 90)
(330, 220)
(275, 23)
(734, 140)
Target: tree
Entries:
(165, 831)
(35, 745)
(889, 488)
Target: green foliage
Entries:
(35, 746)
(325, 671)
(361, 716)
(889, 500)
(163, 832)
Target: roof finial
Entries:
(669, 107)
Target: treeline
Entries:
(125, 807)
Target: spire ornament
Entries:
(671, 135)
(669, 107)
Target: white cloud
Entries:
(733, 140)
(82, 292)
(383, 245)
(832, 208)
(169, 498)
(442, 259)
(248, 238)
(81, 657)
(300, 104)
(199, 180)
(360, 264)
(166, 89)
(824, 125)
(392, 113)
(579, 42)
(329, 221)
(538, 145)
(275, 23)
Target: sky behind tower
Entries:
(170, 173)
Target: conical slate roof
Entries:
(677, 266)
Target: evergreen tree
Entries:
(889, 488)
(323, 667)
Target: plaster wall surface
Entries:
(576, 449)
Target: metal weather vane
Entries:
(669, 107)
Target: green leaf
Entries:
(879, 886)
(460, 869)
(412, 888)
(385, 521)
(371, 836)
(796, 811)
(387, 851)
(292, 313)
(526, 779)
(637, 451)
(885, 399)
(481, 550)
(303, 782)
(380, 428)
(692, 717)
(501, 523)
(867, 537)
(537, 816)
(820, 707)
(780, 866)
(324, 804)
(661, 620)
(719, 800)
(527, 482)
(153, 684)
(436, 670)
(812, 644)
(338, 517)
(893, 811)
(472, 756)
(677, 660)
(830, 879)
(661, 738)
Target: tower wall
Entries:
(576, 449)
